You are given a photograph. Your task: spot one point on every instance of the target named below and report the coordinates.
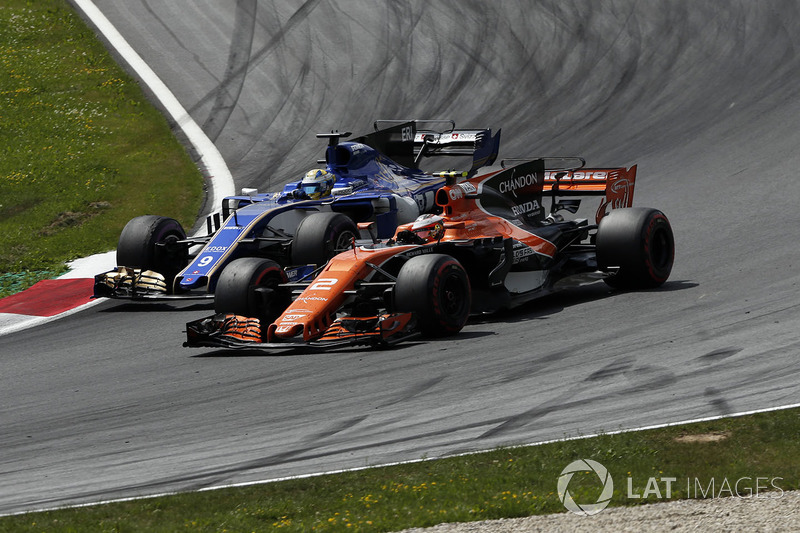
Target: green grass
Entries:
(81, 149)
(503, 483)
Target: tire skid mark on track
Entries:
(276, 40)
(412, 392)
(235, 73)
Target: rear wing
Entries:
(566, 176)
(445, 140)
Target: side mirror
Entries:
(369, 227)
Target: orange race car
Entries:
(494, 245)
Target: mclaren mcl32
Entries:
(494, 245)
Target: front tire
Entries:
(150, 242)
(436, 289)
(320, 236)
(249, 287)
(640, 242)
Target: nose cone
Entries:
(284, 331)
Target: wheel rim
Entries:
(343, 241)
(269, 278)
(453, 300)
(174, 256)
(660, 251)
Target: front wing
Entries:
(238, 332)
(137, 284)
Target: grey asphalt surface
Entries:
(702, 95)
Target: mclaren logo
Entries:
(517, 183)
(621, 185)
(621, 191)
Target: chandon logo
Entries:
(517, 183)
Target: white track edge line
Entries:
(28, 321)
(414, 461)
(219, 175)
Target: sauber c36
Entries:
(496, 244)
(373, 178)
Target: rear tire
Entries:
(150, 242)
(320, 236)
(249, 287)
(640, 242)
(436, 289)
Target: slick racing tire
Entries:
(320, 236)
(436, 289)
(249, 287)
(639, 241)
(150, 242)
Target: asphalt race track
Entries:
(704, 96)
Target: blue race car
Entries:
(373, 179)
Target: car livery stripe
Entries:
(536, 243)
(207, 263)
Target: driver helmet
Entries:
(428, 227)
(317, 183)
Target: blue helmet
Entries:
(317, 183)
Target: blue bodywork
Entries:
(369, 187)
(377, 180)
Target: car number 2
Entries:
(323, 284)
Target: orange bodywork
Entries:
(312, 313)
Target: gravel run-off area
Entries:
(768, 512)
